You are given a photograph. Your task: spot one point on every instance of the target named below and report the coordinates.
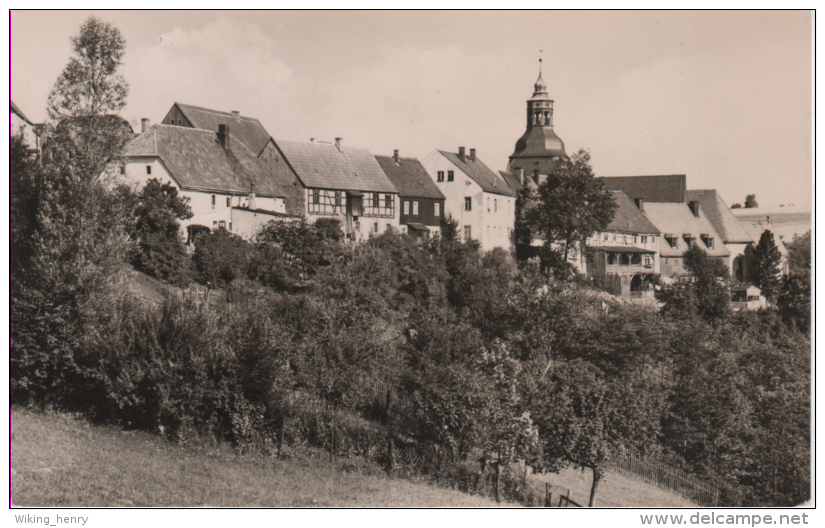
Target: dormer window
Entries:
(689, 239)
(671, 240)
(707, 240)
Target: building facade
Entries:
(477, 198)
(222, 179)
(624, 258)
(346, 183)
(421, 203)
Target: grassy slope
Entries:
(60, 461)
(616, 489)
(57, 460)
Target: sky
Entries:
(721, 96)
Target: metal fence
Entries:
(666, 477)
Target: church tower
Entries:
(536, 149)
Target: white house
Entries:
(227, 186)
(477, 198)
(20, 124)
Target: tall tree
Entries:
(766, 271)
(750, 201)
(84, 130)
(571, 204)
(90, 84)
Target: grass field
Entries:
(59, 460)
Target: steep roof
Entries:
(322, 165)
(247, 129)
(16, 109)
(717, 212)
(670, 188)
(197, 160)
(480, 173)
(511, 180)
(677, 219)
(539, 142)
(409, 177)
(628, 218)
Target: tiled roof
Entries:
(14, 108)
(321, 165)
(669, 189)
(197, 160)
(677, 219)
(247, 129)
(511, 179)
(539, 142)
(480, 173)
(717, 212)
(628, 218)
(409, 177)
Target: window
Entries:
(389, 226)
(213, 201)
(406, 207)
(415, 208)
(148, 169)
(467, 233)
(324, 202)
(648, 261)
(488, 204)
(374, 205)
(495, 204)
(222, 224)
(228, 201)
(450, 176)
(689, 240)
(606, 236)
(468, 204)
(707, 240)
(230, 226)
(337, 199)
(611, 259)
(677, 263)
(440, 176)
(644, 239)
(316, 196)
(123, 169)
(672, 241)
(437, 209)
(357, 227)
(375, 227)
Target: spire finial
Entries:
(540, 86)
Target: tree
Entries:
(799, 252)
(766, 269)
(571, 204)
(90, 84)
(161, 253)
(24, 197)
(703, 292)
(794, 301)
(736, 206)
(84, 130)
(449, 227)
(750, 201)
(221, 257)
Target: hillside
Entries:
(58, 460)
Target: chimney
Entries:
(144, 125)
(461, 153)
(236, 114)
(472, 154)
(640, 203)
(694, 208)
(223, 135)
(339, 144)
(395, 155)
